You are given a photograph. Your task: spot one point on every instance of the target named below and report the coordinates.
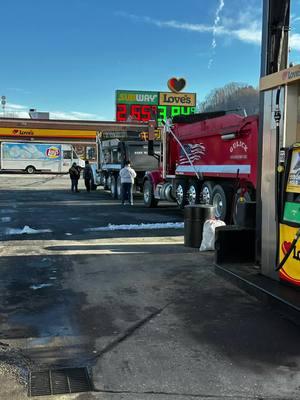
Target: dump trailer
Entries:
(113, 149)
(34, 157)
(206, 158)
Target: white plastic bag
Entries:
(208, 237)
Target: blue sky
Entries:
(69, 56)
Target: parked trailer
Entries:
(113, 149)
(43, 157)
(207, 158)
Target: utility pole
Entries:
(3, 103)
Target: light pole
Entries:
(3, 103)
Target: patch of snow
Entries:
(40, 286)
(5, 219)
(75, 218)
(7, 211)
(52, 278)
(111, 227)
(68, 234)
(26, 229)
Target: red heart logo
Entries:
(285, 247)
(176, 84)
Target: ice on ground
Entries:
(5, 219)
(26, 229)
(111, 227)
(7, 211)
(40, 286)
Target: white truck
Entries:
(34, 157)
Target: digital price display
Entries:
(137, 112)
(145, 106)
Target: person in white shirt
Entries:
(127, 175)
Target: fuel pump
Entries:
(280, 187)
(289, 219)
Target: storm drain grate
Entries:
(59, 381)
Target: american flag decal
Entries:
(194, 151)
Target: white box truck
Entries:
(38, 157)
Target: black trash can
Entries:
(194, 218)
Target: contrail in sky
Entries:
(216, 23)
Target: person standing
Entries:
(127, 175)
(74, 176)
(87, 175)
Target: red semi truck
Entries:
(206, 158)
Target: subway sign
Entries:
(145, 105)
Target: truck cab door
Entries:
(67, 160)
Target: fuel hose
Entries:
(277, 118)
(289, 252)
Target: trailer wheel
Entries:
(30, 169)
(222, 200)
(119, 188)
(206, 192)
(113, 187)
(93, 186)
(104, 182)
(193, 193)
(148, 193)
(181, 193)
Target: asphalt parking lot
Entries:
(147, 316)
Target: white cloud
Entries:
(13, 110)
(215, 28)
(246, 27)
(295, 41)
(74, 115)
(15, 107)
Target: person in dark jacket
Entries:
(74, 173)
(87, 176)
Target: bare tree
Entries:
(232, 96)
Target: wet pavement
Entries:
(147, 316)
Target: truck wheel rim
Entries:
(206, 195)
(218, 204)
(146, 194)
(119, 188)
(192, 195)
(179, 194)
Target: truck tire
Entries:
(193, 193)
(119, 188)
(206, 192)
(93, 186)
(148, 194)
(113, 187)
(181, 193)
(222, 200)
(30, 169)
(104, 182)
